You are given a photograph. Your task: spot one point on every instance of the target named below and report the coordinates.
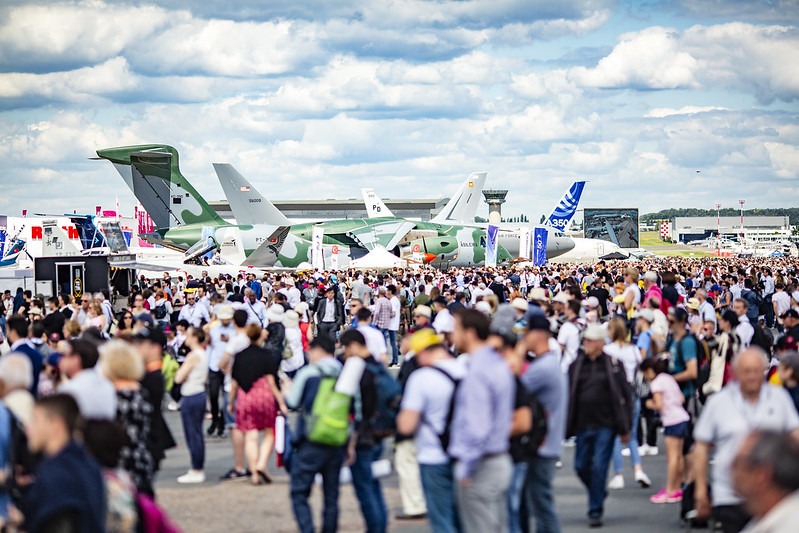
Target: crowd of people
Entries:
(477, 378)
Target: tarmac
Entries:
(238, 507)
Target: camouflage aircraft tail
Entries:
(152, 172)
(464, 203)
(248, 205)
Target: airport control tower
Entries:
(495, 199)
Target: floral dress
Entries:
(134, 412)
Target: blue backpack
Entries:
(389, 396)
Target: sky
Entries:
(657, 103)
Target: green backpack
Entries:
(329, 420)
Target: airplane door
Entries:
(600, 249)
(70, 279)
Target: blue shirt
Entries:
(645, 342)
(677, 364)
(483, 411)
(545, 380)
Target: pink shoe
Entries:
(660, 497)
(674, 497)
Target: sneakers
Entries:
(594, 522)
(570, 442)
(666, 497)
(645, 449)
(617, 483)
(642, 479)
(192, 476)
(235, 474)
(173, 406)
(626, 452)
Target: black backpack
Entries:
(759, 338)
(160, 312)
(534, 439)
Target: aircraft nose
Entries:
(429, 258)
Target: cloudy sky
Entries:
(316, 99)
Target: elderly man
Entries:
(15, 382)
(599, 409)
(726, 419)
(765, 472)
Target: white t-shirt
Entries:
(235, 345)
(569, 338)
(628, 355)
(783, 301)
(726, 420)
(429, 392)
(444, 322)
(396, 310)
(745, 331)
(375, 341)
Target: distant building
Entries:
(423, 209)
(755, 229)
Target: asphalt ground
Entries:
(238, 507)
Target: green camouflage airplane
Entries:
(183, 220)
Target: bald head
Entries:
(750, 369)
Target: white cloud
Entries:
(784, 159)
(661, 112)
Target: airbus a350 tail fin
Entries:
(374, 205)
(248, 205)
(464, 203)
(153, 174)
(565, 209)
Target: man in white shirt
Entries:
(193, 312)
(203, 298)
(444, 322)
(707, 313)
(294, 295)
(727, 418)
(569, 336)
(93, 392)
(781, 301)
(256, 310)
(394, 323)
(744, 329)
(375, 340)
(219, 337)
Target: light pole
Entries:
(718, 229)
(742, 220)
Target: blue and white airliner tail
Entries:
(564, 211)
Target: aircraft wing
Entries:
(266, 254)
(386, 234)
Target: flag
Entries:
(540, 246)
(317, 257)
(491, 245)
(524, 244)
(244, 188)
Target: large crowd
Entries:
(478, 378)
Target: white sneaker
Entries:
(173, 406)
(570, 443)
(642, 479)
(652, 450)
(617, 483)
(192, 477)
(626, 452)
(559, 464)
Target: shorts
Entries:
(677, 430)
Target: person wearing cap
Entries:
(547, 383)
(790, 321)
(151, 343)
(219, 336)
(329, 317)
(426, 414)
(193, 312)
(599, 409)
(480, 429)
(421, 318)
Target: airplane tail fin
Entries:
(374, 205)
(55, 242)
(564, 211)
(464, 203)
(153, 174)
(90, 235)
(248, 205)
